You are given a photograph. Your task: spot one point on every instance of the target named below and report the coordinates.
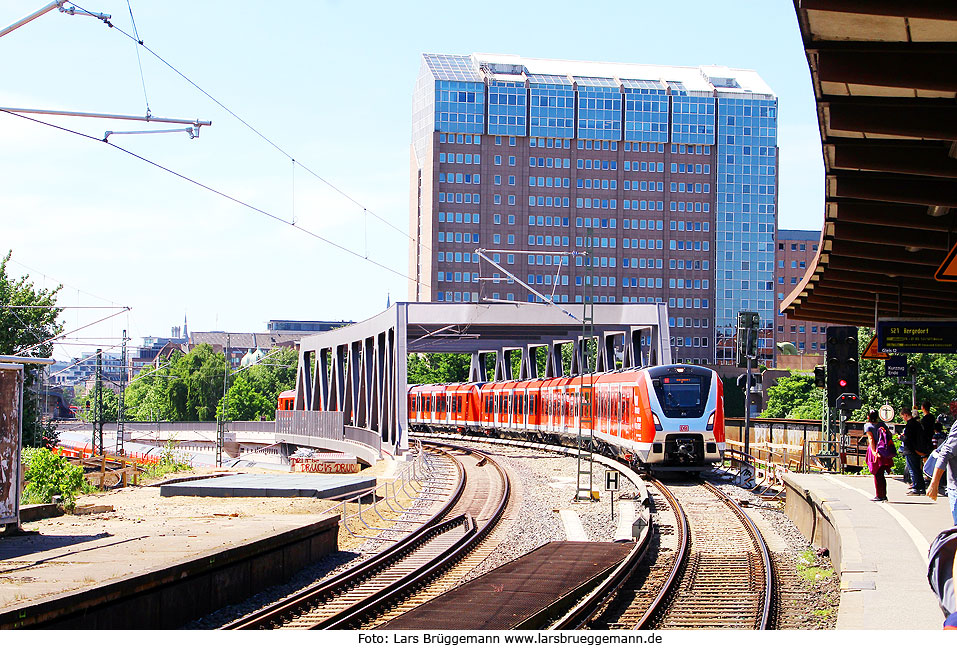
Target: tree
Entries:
(110, 404)
(438, 368)
(255, 389)
(21, 331)
(187, 387)
(934, 373)
(794, 397)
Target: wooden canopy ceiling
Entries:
(885, 79)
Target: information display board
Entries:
(917, 336)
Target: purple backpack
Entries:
(885, 444)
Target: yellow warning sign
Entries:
(872, 353)
(948, 270)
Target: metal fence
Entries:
(795, 444)
(310, 423)
(301, 425)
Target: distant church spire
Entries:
(387, 303)
(185, 329)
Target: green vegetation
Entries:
(48, 475)
(438, 368)
(83, 397)
(170, 462)
(794, 397)
(255, 389)
(809, 569)
(22, 330)
(189, 387)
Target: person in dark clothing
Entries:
(911, 445)
(927, 422)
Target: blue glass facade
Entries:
(692, 119)
(507, 106)
(551, 107)
(646, 111)
(460, 107)
(599, 109)
(745, 219)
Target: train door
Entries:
(547, 409)
(619, 410)
(599, 414)
(522, 418)
(587, 422)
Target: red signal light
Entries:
(843, 383)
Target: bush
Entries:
(48, 475)
(170, 462)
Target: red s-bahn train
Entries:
(668, 416)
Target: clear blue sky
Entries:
(331, 84)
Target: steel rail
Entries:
(664, 597)
(769, 580)
(682, 555)
(327, 588)
(681, 558)
(367, 609)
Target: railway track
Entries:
(374, 587)
(711, 569)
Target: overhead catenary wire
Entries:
(252, 128)
(62, 284)
(53, 338)
(139, 62)
(221, 194)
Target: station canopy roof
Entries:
(884, 74)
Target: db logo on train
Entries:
(683, 428)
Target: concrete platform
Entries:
(305, 485)
(137, 577)
(879, 549)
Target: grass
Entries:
(809, 570)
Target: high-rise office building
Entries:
(609, 182)
(796, 250)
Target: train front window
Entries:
(681, 396)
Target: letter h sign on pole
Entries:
(612, 484)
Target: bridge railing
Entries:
(795, 444)
(311, 423)
(300, 427)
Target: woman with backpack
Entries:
(880, 453)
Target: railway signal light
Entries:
(820, 377)
(848, 402)
(749, 323)
(843, 368)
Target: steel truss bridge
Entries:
(360, 369)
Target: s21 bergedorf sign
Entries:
(917, 336)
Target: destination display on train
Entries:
(681, 379)
(917, 336)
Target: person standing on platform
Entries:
(947, 452)
(912, 443)
(877, 464)
(927, 422)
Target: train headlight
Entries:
(711, 422)
(654, 418)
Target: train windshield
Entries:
(681, 396)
